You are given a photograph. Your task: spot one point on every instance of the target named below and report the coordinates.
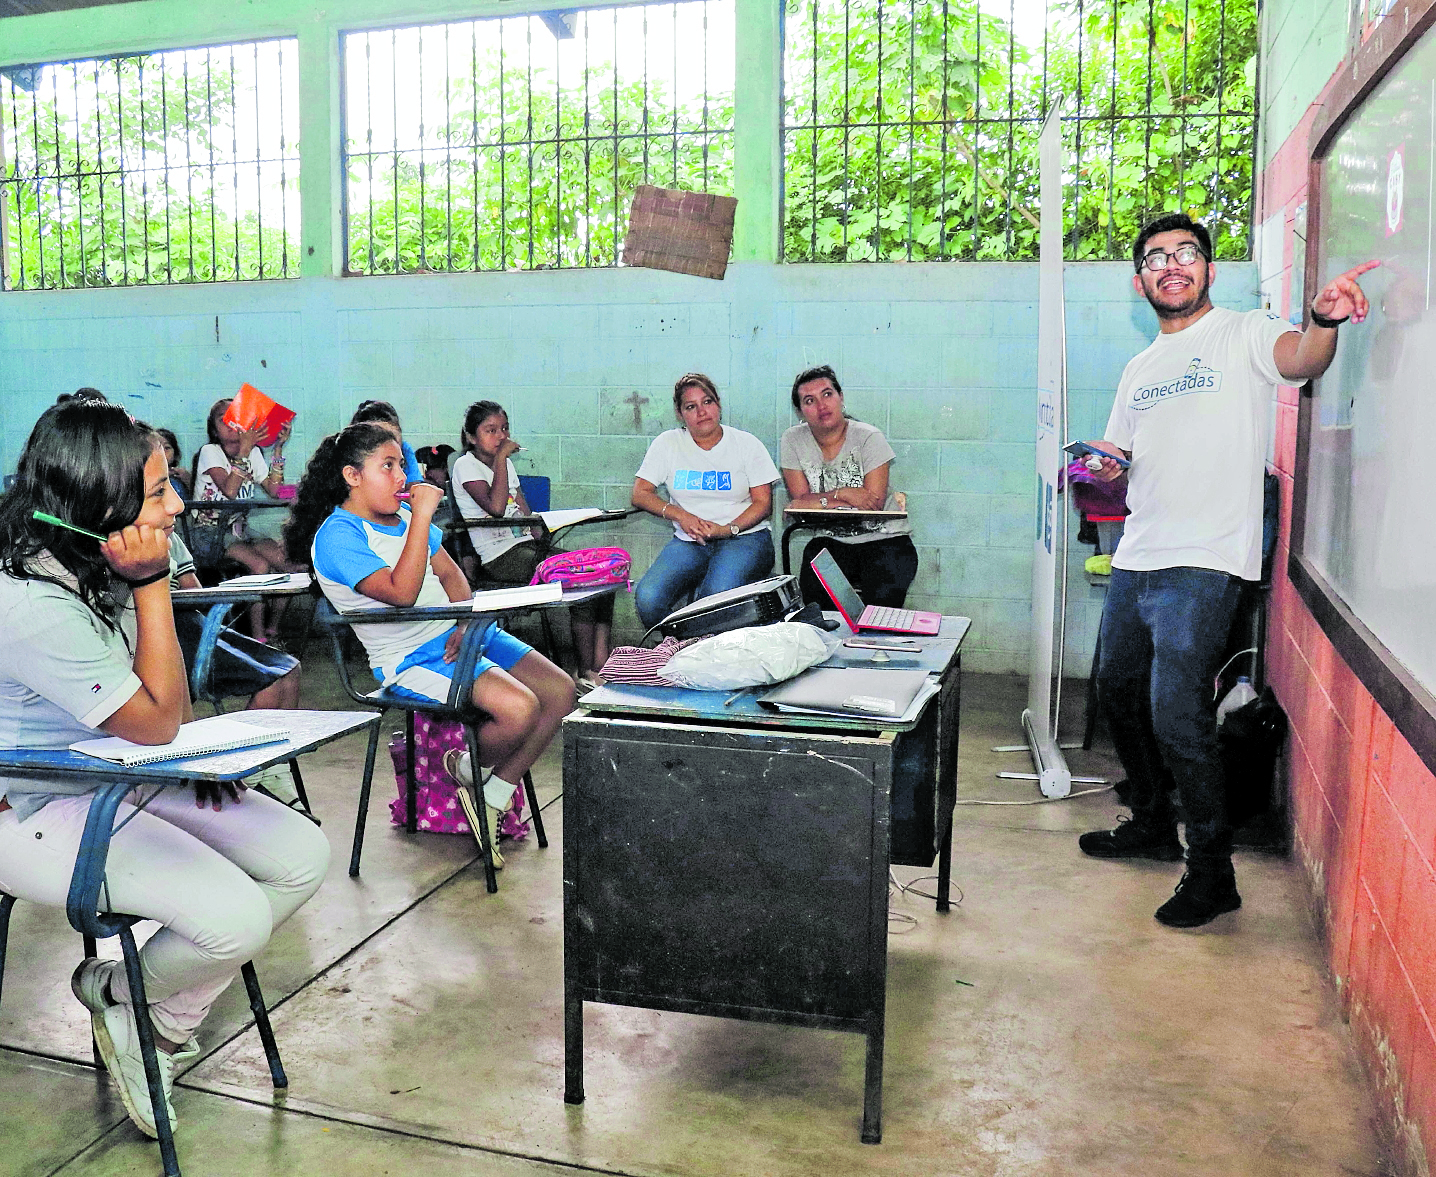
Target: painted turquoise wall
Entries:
(1302, 41)
(941, 356)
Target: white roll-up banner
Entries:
(1049, 564)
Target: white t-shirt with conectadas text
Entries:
(1194, 410)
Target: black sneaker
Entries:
(1131, 840)
(1198, 900)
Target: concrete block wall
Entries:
(1363, 803)
(941, 357)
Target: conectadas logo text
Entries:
(1196, 378)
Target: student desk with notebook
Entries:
(724, 859)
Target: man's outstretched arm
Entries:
(1304, 355)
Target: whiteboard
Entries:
(1370, 527)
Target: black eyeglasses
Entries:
(1185, 254)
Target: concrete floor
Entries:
(1048, 1025)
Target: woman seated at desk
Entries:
(832, 461)
(720, 495)
(87, 645)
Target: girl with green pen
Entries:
(88, 646)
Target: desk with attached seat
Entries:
(308, 730)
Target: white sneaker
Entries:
(119, 1043)
(457, 764)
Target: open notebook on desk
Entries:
(517, 596)
(217, 733)
(553, 520)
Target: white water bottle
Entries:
(1239, 696)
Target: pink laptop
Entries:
(882, 618)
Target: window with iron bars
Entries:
(517, 142)
(910, 127)
(176, 166)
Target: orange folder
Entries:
(251, 409)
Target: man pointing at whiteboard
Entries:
(1192, 414)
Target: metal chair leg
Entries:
(261, 1023)
(363, 813)
(7, 902)
(411, 785)
(92, 950)
(145, 1031)
(478, 817)
(299, 789)
(534, 815)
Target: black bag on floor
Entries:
(1251, 738)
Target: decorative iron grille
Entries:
(517, 142)
(910, 126)
(177, 166)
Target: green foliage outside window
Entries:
(146, 169)
(529, 175)
(910, 132)
(911, 128)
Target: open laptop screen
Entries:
(849, 604)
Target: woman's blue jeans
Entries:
(703, 568)
(1163, 637)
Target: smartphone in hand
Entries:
(1080, 449)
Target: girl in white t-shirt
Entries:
(720, 494)
(88, 646)
(232, 466)
(485, 482)
(367, 546)
(486, 485)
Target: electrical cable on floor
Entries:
(909, 922)
(1041, 800)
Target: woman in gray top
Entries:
(88, 646)
(832, 461)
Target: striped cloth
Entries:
(640, 666)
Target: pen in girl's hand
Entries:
(50, 519)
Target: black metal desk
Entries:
(732, 861)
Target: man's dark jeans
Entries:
(1163, 637)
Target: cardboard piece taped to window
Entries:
(686, 232)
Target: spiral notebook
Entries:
(218, 733)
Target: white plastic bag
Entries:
(747, 657)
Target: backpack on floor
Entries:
(586, 568)
(436, 801)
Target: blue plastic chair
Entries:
(82, 907)
(536, 490)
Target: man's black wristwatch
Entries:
(1320, 320)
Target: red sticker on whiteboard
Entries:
(1395, 189)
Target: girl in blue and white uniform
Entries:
(367, 545)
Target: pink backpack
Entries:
(436, 801)
(586, 568)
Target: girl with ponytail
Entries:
(366, 545)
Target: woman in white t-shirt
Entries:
(720, 495)
(232, 466)
(832, 461)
